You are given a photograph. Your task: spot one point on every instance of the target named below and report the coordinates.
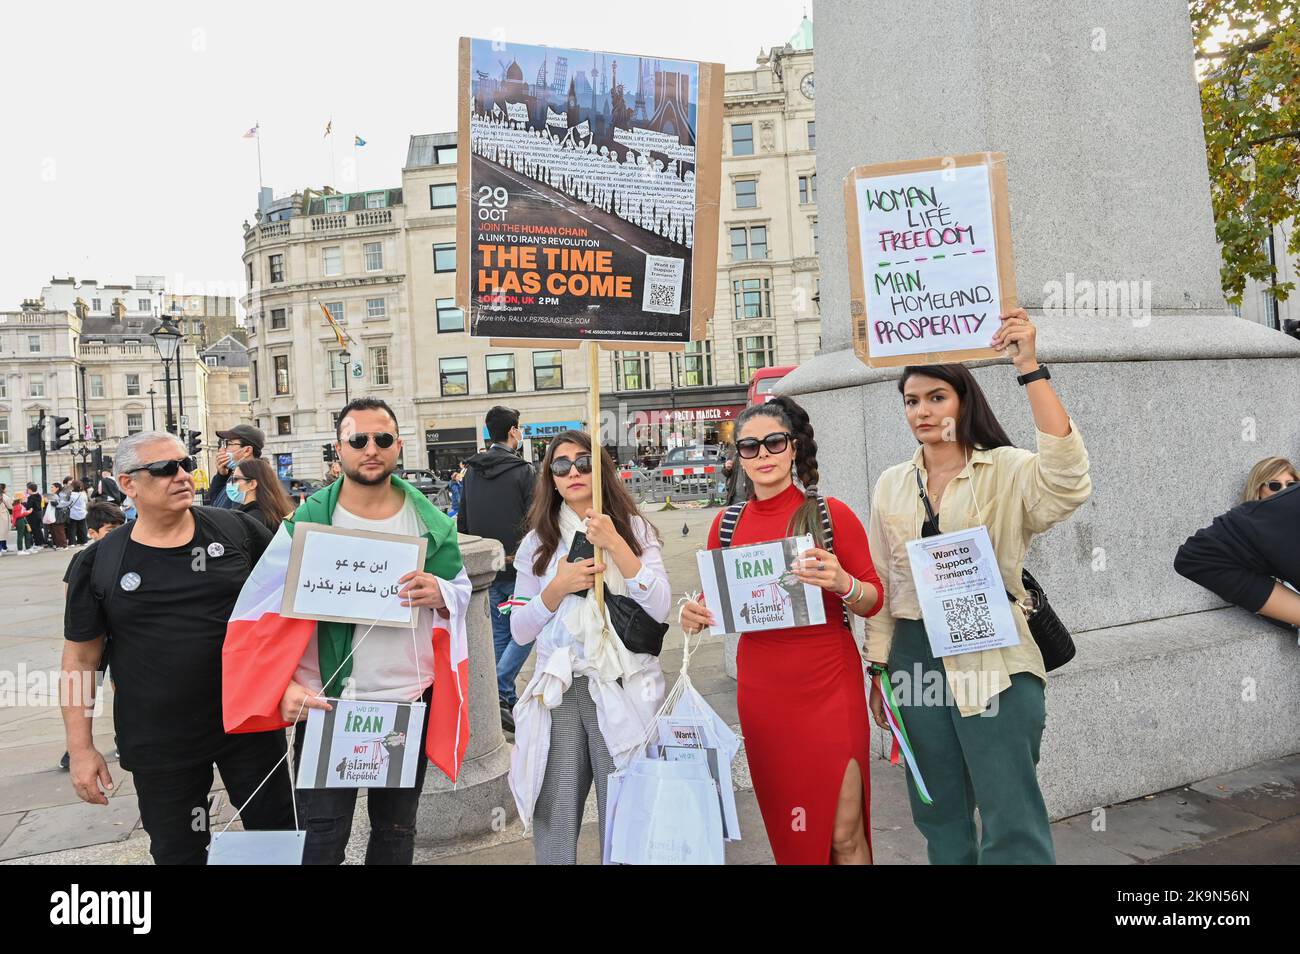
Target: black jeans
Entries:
(327, 813)
(174, 804)
(77, 531)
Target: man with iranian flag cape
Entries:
(274, 668)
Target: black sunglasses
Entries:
(1278, 485)
(167, 468)
(383, 440)
(560, 466)
(776, 443)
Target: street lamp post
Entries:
(345, 359)
(167, 338)
(153, 410)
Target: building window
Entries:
(450, 318)
(747, 243)
(332, 260)
(374, 255)
(252, 377)
(98, 426)
(442, 195)
(336, 369)
(500, 373)
(444, 257)
(281, 374)
(752, 353)
(243, 394)
(697, 364)
(336, 204)
(454, 375)
(142, 304)
(278, 322)
(631, 370)
(4, 385)
(97, 385)
(379, 365)
(133, 385)
(548, 371)
(277, 268)
(812, 134)
(284, 424)
(95, 303)
(374, 200)
(134, 422)
(36, 386)
(335, 308)
(445, 155)
(747, 194)
(33, 344)
(376, 308)
(742, 139)
(4, 435)
(808, 189)
(752, 297)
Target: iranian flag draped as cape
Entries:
(263, 648)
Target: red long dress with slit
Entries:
(802, 697)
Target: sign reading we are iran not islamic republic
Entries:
(586, 180)
(930, 258)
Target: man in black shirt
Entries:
(1244, 554)
(162, 588)
(495, 494)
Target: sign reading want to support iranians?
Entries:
(586, 180)
(930, 259)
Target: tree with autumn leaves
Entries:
(1248, 58)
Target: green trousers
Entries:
(987, 761)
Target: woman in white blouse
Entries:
(587, 708)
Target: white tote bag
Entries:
(667, 815)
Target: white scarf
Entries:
(600, 644)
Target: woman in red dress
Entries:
(801, 690)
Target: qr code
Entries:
(662, 296)
(968, 618)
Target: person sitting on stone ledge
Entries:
(1248, 556)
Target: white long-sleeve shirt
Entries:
(533, 621)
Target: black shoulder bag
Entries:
(638, 630)
(1053, 639)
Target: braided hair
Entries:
(807, 519)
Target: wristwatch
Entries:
(1038, 374)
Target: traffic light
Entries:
(192, 442)
(329, 454)
(34, 436)
(62, 433)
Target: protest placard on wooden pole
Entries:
(585, 182)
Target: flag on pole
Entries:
(252, 133)
(334, 325)
(329, 128)
(358, 141)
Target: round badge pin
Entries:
(215, 549)
(130, 582)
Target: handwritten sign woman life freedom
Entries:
(929, 260)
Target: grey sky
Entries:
(123, 121)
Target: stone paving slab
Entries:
(1270, 790)
(1275, 844)
(71, 826)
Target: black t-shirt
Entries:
(166, 635)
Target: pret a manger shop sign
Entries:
(930, 258)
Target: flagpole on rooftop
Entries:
(258, 126)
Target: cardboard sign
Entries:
(754, 587)
(585, 181)
(960, 590)
(256, 847)
(930, 258)
(349, 576)
(360, 744)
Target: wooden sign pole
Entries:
(593, 428)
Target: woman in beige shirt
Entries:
(975, 720)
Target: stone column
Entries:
(1096, 107)
(481, 797)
